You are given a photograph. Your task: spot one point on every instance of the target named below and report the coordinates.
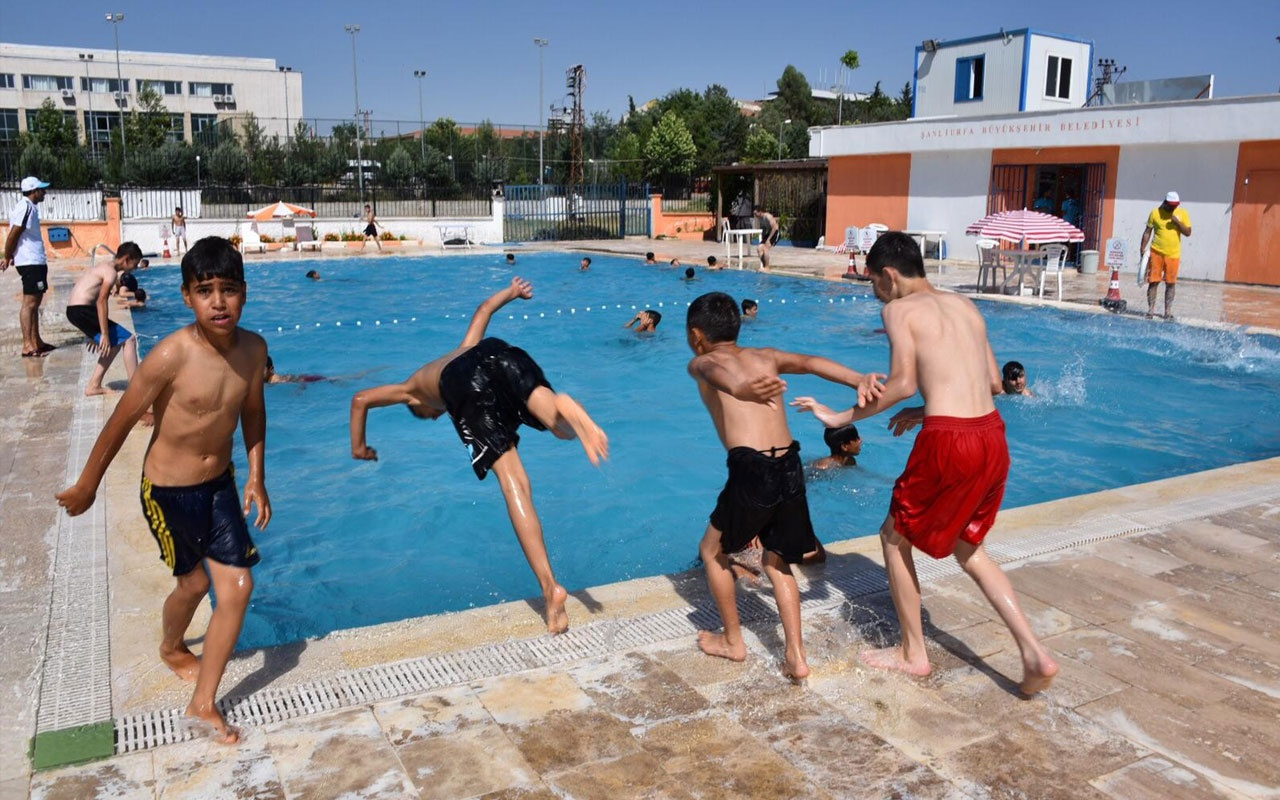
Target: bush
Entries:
(571, 230)
(235, 239)
(331, 237)
(266, 239)
(352, 236)
(388, 236)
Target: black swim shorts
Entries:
(765, 497)
(35, 278)
(485, 390)
(370, 230)
(86, 319)
(192, 523)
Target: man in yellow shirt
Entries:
(1166, 225)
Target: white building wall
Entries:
(1037, 70)
(1203, 176)
(936, 78)
(948, 192)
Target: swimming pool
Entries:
(1120, 401)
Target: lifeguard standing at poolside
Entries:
(1166, 225)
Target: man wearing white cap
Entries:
(24, 248)
(1166, 226)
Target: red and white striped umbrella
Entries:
(1027, 227)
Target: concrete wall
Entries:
(862, 190)
(1204, 177)
(948, 192)
(694, 226)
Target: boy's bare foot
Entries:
(588, 432)
(796, 671)
(182, 661)
(1037, 674)
(715, 644)
(94, 391)
(209, 716)
(557, 617)
(891, 658)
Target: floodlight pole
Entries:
(115, 20)
(541, 43)
(87, 59)
(422, 125)
(780, 124)
(285, 72)
(355, 82)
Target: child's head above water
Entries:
(843, 441)
(212, 257)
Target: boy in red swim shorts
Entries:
(946, 500)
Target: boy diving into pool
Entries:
(489, 389)
(202, 381)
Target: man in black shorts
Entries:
(24, 248)
(769, 225)
(489, 389)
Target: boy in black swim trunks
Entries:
(489, 389)
(764, 497)
(203, 380)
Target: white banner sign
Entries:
(1117, 253)
(866, 238)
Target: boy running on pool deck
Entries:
(490, 388)
(764, 497)
(87, 310)
(202, 380)
(946, 500)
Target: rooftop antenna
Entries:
(575, 80)
(1109, 73)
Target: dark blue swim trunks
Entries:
(192, 523)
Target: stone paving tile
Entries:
(1232, 743)
(1085, 593)
(562, 740)
(638, 689)
(638, 775)
(1157, 778)
(529, 696)
(1232, 614)
(343, 754)
(714, 757)
(1162, 626)
(1132, 554)
(1152, 669)
(129, 777)
(1215, 547)
(475, 761)
(536, 792)
(439, 713)
(1248, 668)
(1262, 520)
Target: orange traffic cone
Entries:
(852, 274)
(167, 254)
(1112, 301)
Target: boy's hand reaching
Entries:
(256, 493)
(76, 500)
(906, 419)
(825, 415)
(364, 453)
(521, 288)
(870, 388)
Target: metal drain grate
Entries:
(390, 681)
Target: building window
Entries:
(204, 128)
(209, 89)
(161, 87)
(177, 128)
(969, 78)
(104, 85)
(8, 124)
(1057, 79)
(33, 113)
(100, 124)
(47, 83)
(6, 80)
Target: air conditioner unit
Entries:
(229, 99)
(217, 98)
(120, 96)
(68, 93)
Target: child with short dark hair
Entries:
(711, 262)
(586, 264)
(489, 389)
(764, 497)
(87, 310)
(204, 380)
(649, 258)
(1013, 379)
(750, 308)
(689, 274)
(648, 320)
(845, 445)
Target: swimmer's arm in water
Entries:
(153, 375)
(386, 395)
(869, 386)
(519, 288)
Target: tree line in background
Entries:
(669, 141)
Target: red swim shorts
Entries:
(953, 483)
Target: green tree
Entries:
(760, 146)
(228, 165)
(627, 156)
(795, 97)
(443, 135)
(726, 127)
(670, 150)
(398, 169)
(38, 159)
(850, 62)
(77, 170)
(906, 99)
(148, 126)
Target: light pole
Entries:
(453, 171)
(355, 81)
(87, 59)
(422, 124)
(541, 43)
(197, 173)
(115, 20)
(285, 72)
(780, 124)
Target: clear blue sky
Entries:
(482, 62)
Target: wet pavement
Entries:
(1161, 602)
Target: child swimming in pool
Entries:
(764, 497)
(947, 498)
(203, 380)
(489, 389)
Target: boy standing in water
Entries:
(764, 497)
(489, 389)
(201, 380)
(946, 500)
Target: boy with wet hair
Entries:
(1013, 379)
(750, 308)
(845, 445)
(489, 388)
(202, 381)
(648, 320)
(585, 265)
(87, 310)
(946, 500)
(649, 258)
(764, 497)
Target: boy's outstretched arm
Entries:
(387, 395)
(153, 375)
(253, 424)
(869, 385)
(480, 320)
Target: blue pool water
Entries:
(1119, 401)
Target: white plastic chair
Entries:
(1055, 260)
(249, 238)
(988, 262)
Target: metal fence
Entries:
(691, 195)
(223, 202)
(62, 205)
(558, 213)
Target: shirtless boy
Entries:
(178, 222)
(202, 380)
(371, 226)
(647, 321)
(946, 500)
(764, 497)
(490, 388)
(768, 224)
(87, 310)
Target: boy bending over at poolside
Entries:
(764, 496)
(490, 388)
(87, 310)
(946, 500)
(202, 380)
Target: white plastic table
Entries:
(922, 237)
(741, 236)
